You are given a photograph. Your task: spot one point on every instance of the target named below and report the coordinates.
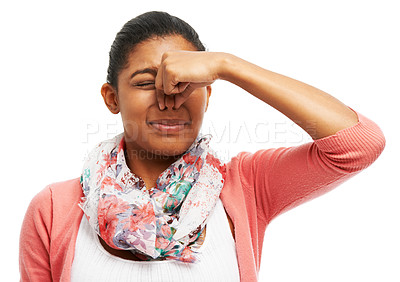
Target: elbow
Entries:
(374, 147)
(370, 147)
(371, 139)
(353, 149)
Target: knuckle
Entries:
(166, 55)
(169, 68)
(168, 90)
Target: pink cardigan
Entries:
(259, 186)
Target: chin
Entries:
(171, 147)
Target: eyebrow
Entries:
(152, 70)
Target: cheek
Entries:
(197, 104)
(136, 103)
(133, 109)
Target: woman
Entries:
(154, 203)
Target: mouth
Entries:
(169, 125)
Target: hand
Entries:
(182, 72)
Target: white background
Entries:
(54, 58)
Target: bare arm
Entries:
(318, 113)
(315, 111)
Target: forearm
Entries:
(317, 112)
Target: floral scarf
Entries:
(166, 221)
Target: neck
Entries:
(147, 165)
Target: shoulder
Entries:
(62, 191)
(55, 197)
(245, 166)
(66, 192)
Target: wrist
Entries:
(225, 62)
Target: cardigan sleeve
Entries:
(284, 178)
(34, 243)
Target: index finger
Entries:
(158, 84)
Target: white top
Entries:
(217, 257)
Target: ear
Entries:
(110, 98)
(208, 89)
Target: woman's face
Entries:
(137, 103)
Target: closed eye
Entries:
(145, 85)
